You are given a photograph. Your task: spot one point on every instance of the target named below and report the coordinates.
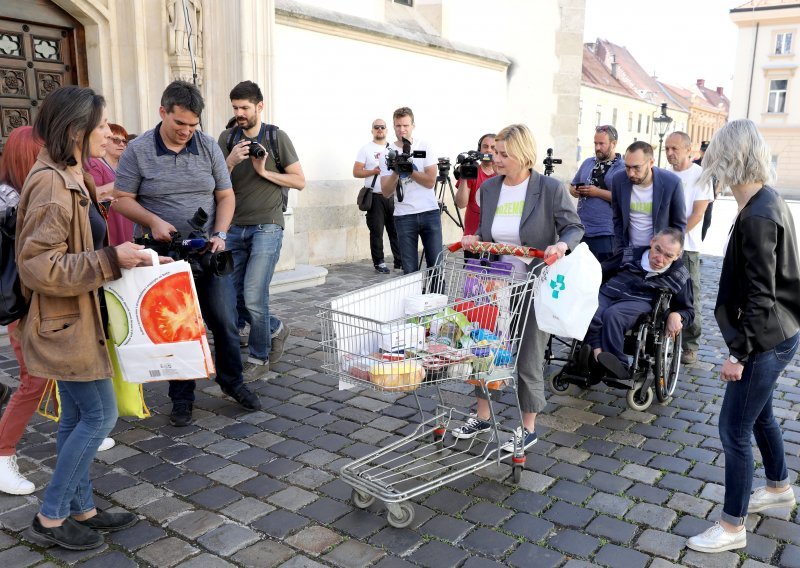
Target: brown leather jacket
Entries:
(62, 334)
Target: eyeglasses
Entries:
(610, 130)
(119, 141)
(379, 126)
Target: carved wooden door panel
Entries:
(35, 60)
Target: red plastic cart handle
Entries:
(502, 248)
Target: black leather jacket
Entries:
(758, 303)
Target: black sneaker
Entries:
(613, 365)
(244, 397)
(105, 521)
(279, 343)
(471, 428)
(70, 535)
(382, 268)
(181, 414)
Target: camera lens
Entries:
(257, 151)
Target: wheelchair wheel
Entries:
(667, 367)
(558, 384)
(639, 401)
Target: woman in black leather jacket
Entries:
(758, 312)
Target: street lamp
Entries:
(662, 123)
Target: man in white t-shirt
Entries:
(697, 197)
(416, 211)
(381, 214)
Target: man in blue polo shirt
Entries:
(163, 177)
(594, 193)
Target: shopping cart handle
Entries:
(502, 248)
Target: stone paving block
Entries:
(569, 472)
(215, 497)
(790, 557)
(437, 554)
(247, 510)
(206, 561)
(571, 492)
(314, 540)
(448, 501)
(615, 556)
(138, 495)
(325, 510)
(760, 547)
(292, 498)
(289, 448)
(264, 554)
(782, 530)
(279, 467)
(487, 514)
(478, 562)
(528, 555)
(354, 554)
(578, 415)
(301, 561)
(115, 454)
(232, 474)
(627, 438)
(613, 505)
(72, 557)
(226, 448)
(688, 504)
(195, 524)
(607, 482)
(360, 524)
(488, 542)
(571, 455)
(157, 475)
(648, 493)
(113, 482)
(527, 501)
(279, 523)
(680, 483)
(317, 457)
(261, 486)
(493, 491)
(174, 454)
(613, 529)
(535, 482)
(651, 515)
(166, 552)
(308, 477)
(139, 535)
(574, 543)
(713, 492)
(164, 509)
(263, 439)
(114, 558)
(661, 543)
(568, 515)
(446, 528)
(696, 559)
(397, 541)
(640, 473)
(228, 539)
(19, 556)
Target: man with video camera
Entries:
(164, 177)
(262, 161)
(409, 173)
(468, 188)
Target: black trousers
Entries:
(381, 215)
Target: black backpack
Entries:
(271, 132)
(13, 304)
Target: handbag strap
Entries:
(372, 186)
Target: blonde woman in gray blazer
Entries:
(521, 206)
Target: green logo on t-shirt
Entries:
(557, 285)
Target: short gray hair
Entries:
(737, 154)
(685, 138)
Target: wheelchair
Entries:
(656, 360)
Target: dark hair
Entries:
(247, 90)
(182, 94)
(401, 112)
(675, 234)
(487, 135)
(646, 148)
(67, 113)
(610, 130)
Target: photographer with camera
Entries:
(593, 193)
(468, 187)
(409, 173)
(262, 161)
(163, 178)
(381, 212)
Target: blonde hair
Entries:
(520, 144)
(737, 154)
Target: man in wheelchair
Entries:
(635, 279)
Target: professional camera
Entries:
(549, 162)
(256, 150)
(467, 164)
(193, 249)
(444, 166)
(402, 162)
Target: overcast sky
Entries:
(680, 41)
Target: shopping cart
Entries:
(456, 321)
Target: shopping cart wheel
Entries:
(400, 515)
(438, 436)
(516, 473)
(638, 400)
(362, 500)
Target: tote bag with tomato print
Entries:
(155, 324)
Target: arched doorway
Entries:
(41, 49)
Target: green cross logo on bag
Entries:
(557, 285)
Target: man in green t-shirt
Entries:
(256, 232)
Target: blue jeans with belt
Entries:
(88, 412)
(256, 250)
(413, 227)
(746, 409)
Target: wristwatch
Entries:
(221, 235)
(733, 359)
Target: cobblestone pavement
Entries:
(604, 486)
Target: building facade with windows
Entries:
(766, 87)
(327, 69)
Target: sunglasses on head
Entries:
(610, 130)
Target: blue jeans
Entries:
(256, 250)
(746, 409)
(410, 228)
(218, 306)
(88, 413)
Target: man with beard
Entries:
(644, 199)
(256, 232)
(593, 193)
(381, 213)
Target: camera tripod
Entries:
(442, 183)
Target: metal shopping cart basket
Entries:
(456, 321)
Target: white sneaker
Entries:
(11, 481)
(106, 444)
(717, 539)
(761, 499)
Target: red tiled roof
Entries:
(595, 74)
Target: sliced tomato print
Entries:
(168, 311)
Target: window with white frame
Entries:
(777, 95)
(783, 43)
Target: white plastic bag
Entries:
(566, 297)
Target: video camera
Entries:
(193, 248)
(549, 162)
(467, 164)
(402, 162)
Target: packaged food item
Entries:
(399, 337)
(418, 303)
(397, 375)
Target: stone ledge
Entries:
(303, 276)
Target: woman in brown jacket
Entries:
(63, 262)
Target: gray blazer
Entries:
(548, 216)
